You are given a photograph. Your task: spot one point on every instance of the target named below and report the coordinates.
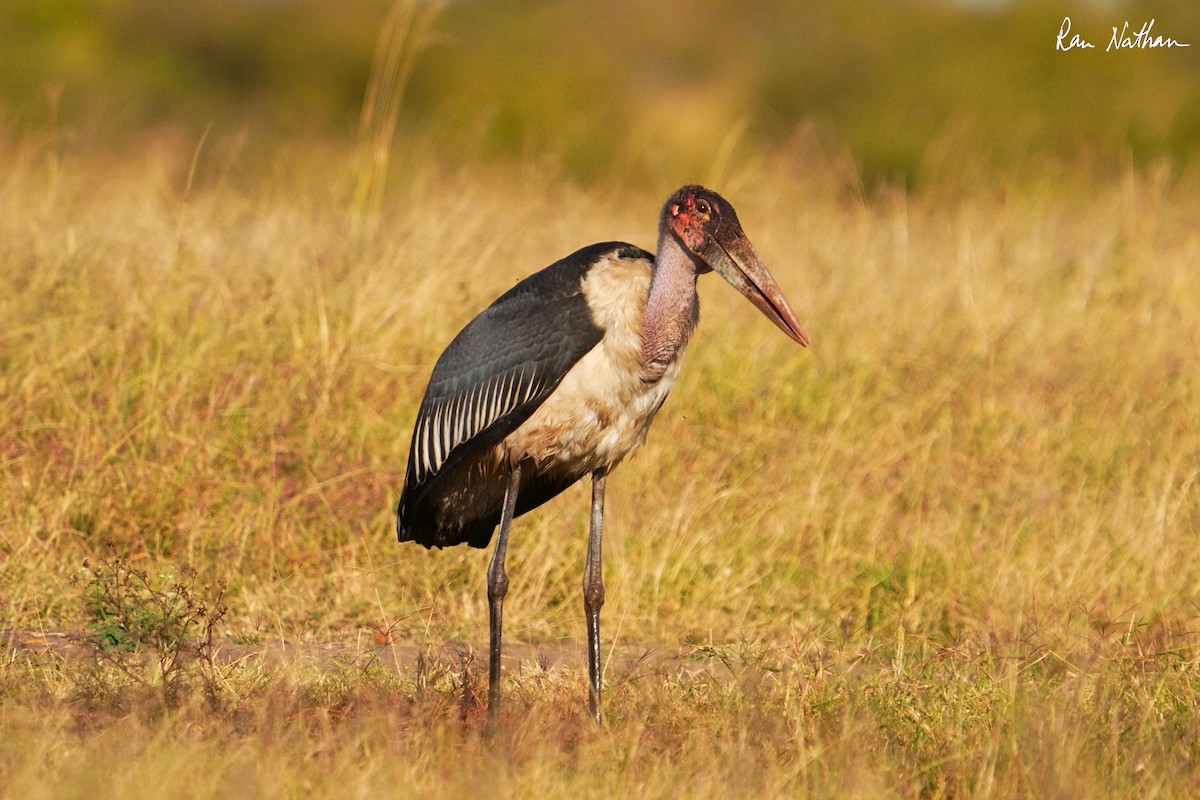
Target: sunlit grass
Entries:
(949, 549)
(804, 720)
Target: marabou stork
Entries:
(561, 377)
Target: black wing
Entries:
(495, 374)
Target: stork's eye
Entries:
(702, 206)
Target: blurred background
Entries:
(908, 92)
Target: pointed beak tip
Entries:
(797, 334)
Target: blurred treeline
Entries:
(909, 89)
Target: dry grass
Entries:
(948, 551)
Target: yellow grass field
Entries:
(950, 550)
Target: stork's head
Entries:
(707, 226)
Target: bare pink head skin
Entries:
(707, 227)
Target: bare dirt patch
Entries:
(77, 646)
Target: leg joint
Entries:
(497, 585)
(593, 591)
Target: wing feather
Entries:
(445, 424)
(492, 377)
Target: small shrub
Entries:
(167, 623)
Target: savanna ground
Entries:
(949, 550)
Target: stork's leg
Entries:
(497, 588)
(593, 591)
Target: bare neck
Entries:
(671, 309)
